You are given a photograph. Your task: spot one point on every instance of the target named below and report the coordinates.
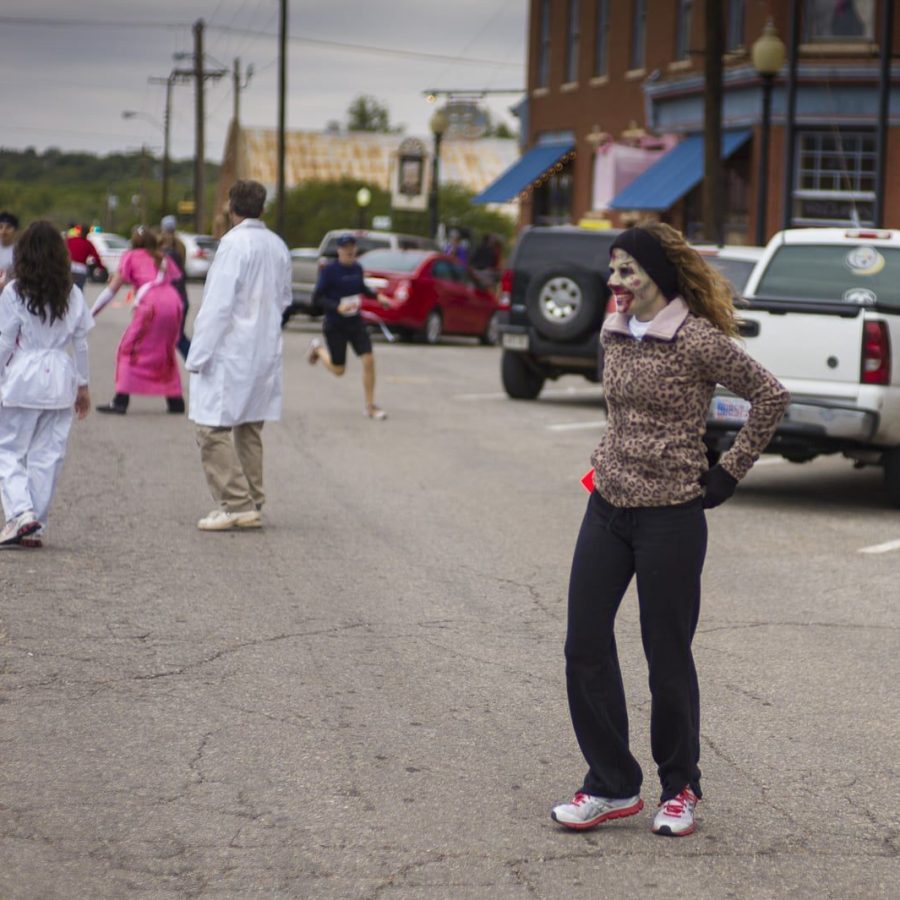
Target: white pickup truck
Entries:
(824, 317)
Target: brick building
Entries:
(614, 117)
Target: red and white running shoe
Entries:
(676, 816)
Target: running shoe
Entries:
(312, 354)
(18, 527)
(676, 816)
(222, 520)
(587, 811)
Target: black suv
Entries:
(558, 298)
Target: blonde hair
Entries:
(705, 290)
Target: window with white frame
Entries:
(638, 34)
(734, 28)
(839, 20)
(683, 28)
(834, 180)
(601, 47)
(543, 65)
(573, 38)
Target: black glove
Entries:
(719, 486)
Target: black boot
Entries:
(175, 404)
(118, 406)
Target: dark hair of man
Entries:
(43, 271)
(7, 218)
(143, 238)
(247, 199)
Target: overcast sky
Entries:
(71, 68)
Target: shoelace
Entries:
(675, 806)
(580, 798)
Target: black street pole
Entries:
(790, 142)
(762, 174)
(435, 173)
(884, 91)
(282, 91)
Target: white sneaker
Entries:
(222, 520)
(19, 527)
(586, 811)
(312, 353)
(676, 816)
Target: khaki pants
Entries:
(232, 462)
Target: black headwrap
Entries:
(649, 252)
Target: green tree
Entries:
(316, 207)
(366, 113)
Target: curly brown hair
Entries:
(43, 271)
(705, 290)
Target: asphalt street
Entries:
(366, 698)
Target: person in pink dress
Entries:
(145, 360)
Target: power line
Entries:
(227, 29)
(369, 48)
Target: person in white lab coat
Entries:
(235, 359)
(41, 387)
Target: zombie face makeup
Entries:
(636, 293)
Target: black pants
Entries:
(665, 546)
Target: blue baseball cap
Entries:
(345, 239)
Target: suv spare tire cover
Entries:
(565, 302)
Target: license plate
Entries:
(513, 341)
(729, 409)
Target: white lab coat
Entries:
(235, 357)
(38, 385)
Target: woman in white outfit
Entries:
(42, 387)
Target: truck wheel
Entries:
(520, 380)
(892, 475)
(565, 302)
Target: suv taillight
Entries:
(506, 283)
(876, 354)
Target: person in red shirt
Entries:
(82, 254)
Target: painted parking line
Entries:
(881, 548)
(576, 426)
(548, 392)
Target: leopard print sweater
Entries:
(658, 392)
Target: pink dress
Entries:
(145, 360)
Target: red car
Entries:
(432, 295)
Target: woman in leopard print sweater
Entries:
(666, 348)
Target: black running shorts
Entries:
(348, 330)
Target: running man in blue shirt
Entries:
(339, 291)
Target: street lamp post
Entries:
(768, 58)
(438, 125)
(363, 199)
(134, 114)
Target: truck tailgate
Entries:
(805, 346)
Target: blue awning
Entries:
(674, 174)
(522, 172)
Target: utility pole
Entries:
(236, 90)
(199, 123)
(198, 73)
(237, 87)
(282, 92)
(169, 81)
(713, 187)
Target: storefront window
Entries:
(683, 29)
(543, 66)
(734, 36)
(601, 48)
(553, 199)
(839, 20)
(638, 33)
(835, 178)
(572, 41)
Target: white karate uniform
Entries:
(236, 347)
(38, 384)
